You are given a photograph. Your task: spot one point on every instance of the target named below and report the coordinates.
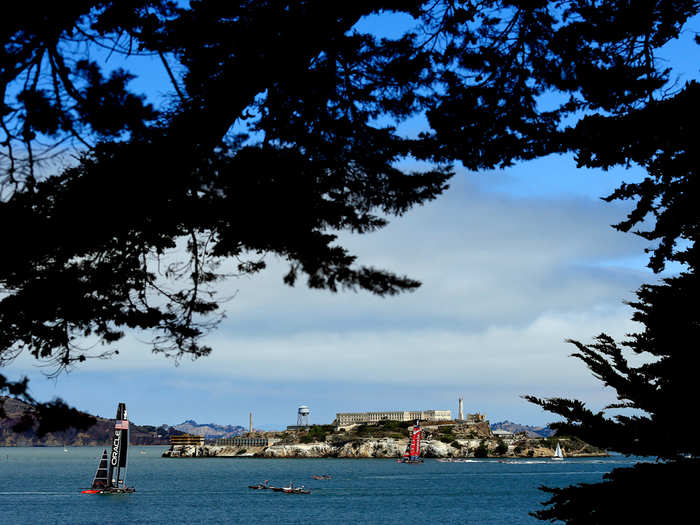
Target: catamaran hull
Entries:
(123, 490)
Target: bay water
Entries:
(41, 485)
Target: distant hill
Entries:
(210, 430)
(97, 435)
(528, 429)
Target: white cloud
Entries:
(505, 281)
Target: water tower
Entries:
(303, 416)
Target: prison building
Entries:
(503, 434)
(243, 441)
(356, 418)
(187, 439)
(475, 418)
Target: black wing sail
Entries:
(123, 425)
(101, 476)
(120, 444)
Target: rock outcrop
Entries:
(373, 448)
(386, 448)
(300, 450)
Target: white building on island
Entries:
(356, 418)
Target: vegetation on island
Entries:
(317, 433)
(481, 451)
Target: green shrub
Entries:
(315, 433)
(481, 451)
(362, 430)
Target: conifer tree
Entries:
(656, 419)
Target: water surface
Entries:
(42, 486)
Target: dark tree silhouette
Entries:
(659, 391)
(651, 417)
(281, 131)
(660, 426)
(269, 145)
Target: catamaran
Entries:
(558, 456)
(110, 477)
(412, 454)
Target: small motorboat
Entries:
(296, 490)
(261, 486)
(291, 489)
(322, 476)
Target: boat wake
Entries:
(33, 492)
(460, 461)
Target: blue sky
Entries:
(513, 262)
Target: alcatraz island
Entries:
(382, 435)
(350, 435)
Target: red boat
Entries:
(412, 454)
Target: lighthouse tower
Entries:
(461, 408)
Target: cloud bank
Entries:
(506, 279)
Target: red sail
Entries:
(414, 449)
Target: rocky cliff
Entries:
(393, 448)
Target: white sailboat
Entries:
(558, 456)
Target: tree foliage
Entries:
(268, 145)
(281, 130)
(650, 417)
(659, 390)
